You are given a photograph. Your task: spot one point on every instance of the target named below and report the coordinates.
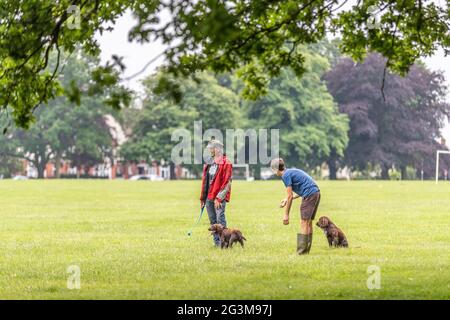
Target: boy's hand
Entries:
(286, 219)
(283, 203)
(217, 204)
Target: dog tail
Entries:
(241, 236)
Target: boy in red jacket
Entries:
(216, 185)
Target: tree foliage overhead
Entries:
(31, 31)
(63, 130)
(258, 37)
(402, 130)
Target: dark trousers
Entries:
(216, 216)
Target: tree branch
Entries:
(14, 155)
(392, 48)
(273, 28)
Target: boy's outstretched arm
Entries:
(289, 198)
(284, 201)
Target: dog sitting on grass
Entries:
(334, 235)
(227, 236)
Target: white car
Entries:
(20, 178)
(150, 177)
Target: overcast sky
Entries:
(136, 56)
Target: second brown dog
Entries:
(227, 236)
(334, 235)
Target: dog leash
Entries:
(198, 220)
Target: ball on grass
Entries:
(189, 233)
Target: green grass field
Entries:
(129, 240)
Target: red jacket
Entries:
(220, 187)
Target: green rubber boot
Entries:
(309, 242)
(302, 243)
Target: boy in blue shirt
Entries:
(299, 182)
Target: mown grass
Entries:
(129, 240)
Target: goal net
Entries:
(241, 172)
(438, 154)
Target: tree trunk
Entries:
(58, 165)
(257, 172)
(385, 172)
(332, 164)
(332, 168)
(40, 169)
(418, 174)
(40, 163)
(172, 171)
(403, 172)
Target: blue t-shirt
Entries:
(302, 184)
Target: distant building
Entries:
(106, 171)
(110, 168)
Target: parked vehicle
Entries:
(20, 178)
(150, 177)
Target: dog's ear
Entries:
(319, 222)
(323, 222)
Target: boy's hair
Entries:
(277, 164)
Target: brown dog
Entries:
(227, 236)
(334, 235)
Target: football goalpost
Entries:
(438, 153)
(241, 172)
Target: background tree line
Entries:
(336, 113)
(203, 35)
